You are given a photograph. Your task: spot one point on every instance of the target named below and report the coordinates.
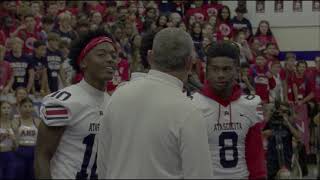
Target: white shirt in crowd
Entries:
(152, 130)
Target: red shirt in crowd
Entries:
(315, 77)
(264, 40)
(212, 8)
(263, 84)
(29, 38)
(304, 86)
(123, 68)
(224, 30)
(199, 13)
(5, 73)
(287, 76)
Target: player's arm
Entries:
(47, 143)
(194, 147)
(55, 117)
(44, 82)
(30, 79)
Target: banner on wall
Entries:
(297, 6)
(278, 6)
(316, 5)
(260, 6)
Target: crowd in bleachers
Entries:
(35, 37)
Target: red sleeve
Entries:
(272, 83)
(254, 152)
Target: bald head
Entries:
(172, 47)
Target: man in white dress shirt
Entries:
(151, 129)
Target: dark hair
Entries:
(302, 62)
(147, 25)
(269, 32)
(81, 42)
(47, 20)
(146, 45)
(223, 49)
(37, 44)
(192, 32)
(241, 9)
(158, 20)
(25, 100)
(220, 13)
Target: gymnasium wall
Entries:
(295, 31)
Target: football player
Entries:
(229, 116)
(67, 141)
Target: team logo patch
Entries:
(53, 112)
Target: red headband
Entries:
(93, 43)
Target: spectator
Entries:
(287, 74)
(39, 63)
(224, 27)
(82, 27)
(135, 56)
(196, 34)
(245, 51)
(207, 31)
(190, 21)
(96, 18)
(272, 131)
(9, 25)
(54, 60)
(316, 79)
(28, 33)
(183, 26)
(265, 35)
(246, 82)
(25, 128)
(271, 53)
(276, 92)
(47, 26)
(37, 11)
(52, 9)
(68, 70)
(239, 22)
(8, 143)
(23, 71)
(64, 29)
(263, 80)
(6, 74)
(161, 22)
(197, 10)
(302, 85)
(151, 14)
(174, 19)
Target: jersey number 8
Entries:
(223, 160)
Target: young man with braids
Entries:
(67, 142)
(231, 118)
